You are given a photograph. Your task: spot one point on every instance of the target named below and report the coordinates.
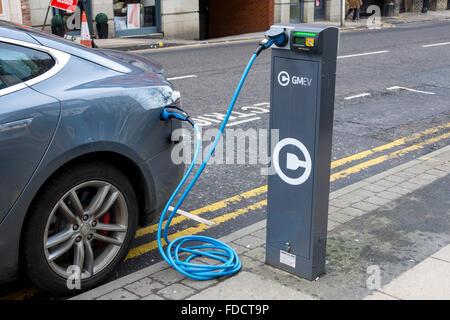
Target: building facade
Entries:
(194, 19)
(17, 11)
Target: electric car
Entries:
(84, 157)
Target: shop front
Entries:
(136, 17)
(125, 17)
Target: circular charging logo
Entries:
(292, 161)
(283, 78)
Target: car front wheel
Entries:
(80, 228)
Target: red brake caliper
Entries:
(106, 218)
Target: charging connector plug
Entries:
(272, 36)
(175, 113)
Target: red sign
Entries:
(67, 5)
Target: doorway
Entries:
(319, 10)
(203, 12)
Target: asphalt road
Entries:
(391, 84)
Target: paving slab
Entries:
(379, 296)
(248, 286)
(443, 254)
(429, 279)
(119, 294)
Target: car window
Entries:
(19, 64)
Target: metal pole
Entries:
(46, 15)
(342, 13)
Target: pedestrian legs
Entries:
(425, 6)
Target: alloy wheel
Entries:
(86, 229)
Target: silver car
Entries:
(84, 157)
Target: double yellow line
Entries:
(139, 250)
(21, 294)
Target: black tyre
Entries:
(79, 228)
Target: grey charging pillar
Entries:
(301, 108)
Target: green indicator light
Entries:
(305, 34)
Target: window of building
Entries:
(135, 16)
(19, 64)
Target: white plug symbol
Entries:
(293, 162)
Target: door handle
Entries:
(6, 127)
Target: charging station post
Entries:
(303, 74)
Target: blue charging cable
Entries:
(229, 262)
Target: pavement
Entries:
(158, 41)
(388, 238)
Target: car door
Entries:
(27, 118)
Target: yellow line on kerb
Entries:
(21, 294)
(387, 146)
(194, 45)
(209, 208)
(258, 191)
(378, 160)
(137, 251)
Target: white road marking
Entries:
(408, 89)
(182, 77)
(362, 54)
(365, 94)
(243, 115)
(209, 119)
(435, 44)
(193, 217)
(242, 121)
